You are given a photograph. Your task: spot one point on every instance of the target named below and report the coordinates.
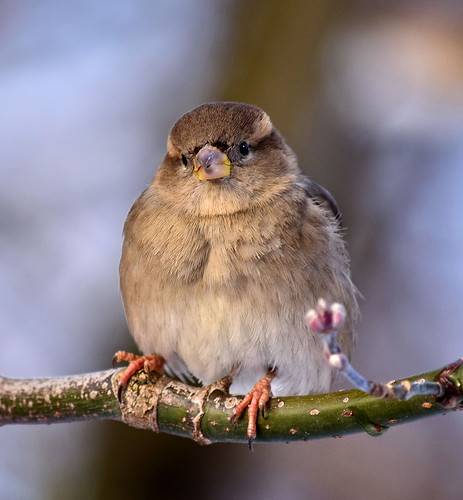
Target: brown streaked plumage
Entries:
(226, 250)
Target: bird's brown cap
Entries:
(218, 124)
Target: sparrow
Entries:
(224, 252)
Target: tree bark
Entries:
(162, 404)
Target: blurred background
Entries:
(370, 96)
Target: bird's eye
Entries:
(244, 148)
(184, 160)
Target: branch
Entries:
(162, 404)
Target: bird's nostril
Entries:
(208, 161)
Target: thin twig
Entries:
(327, 319)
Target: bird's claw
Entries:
(150, 363)
(255, 400)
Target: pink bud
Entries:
(338, 361)
(338, 312)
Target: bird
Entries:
(223, 253)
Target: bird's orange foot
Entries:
(150, 363)
(256, 399)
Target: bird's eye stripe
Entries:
(223, 146)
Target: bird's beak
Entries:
(210, 163)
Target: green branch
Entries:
(166, 405)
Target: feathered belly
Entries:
(210, 334)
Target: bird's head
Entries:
(223, 157)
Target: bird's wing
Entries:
(322, 197)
